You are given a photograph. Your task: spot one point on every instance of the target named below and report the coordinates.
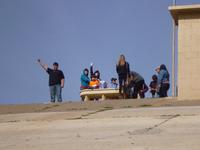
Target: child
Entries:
(153, 85)
(85, 80)
(113, 83)
(103, 84)
(94, 83)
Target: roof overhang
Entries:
(177, 11)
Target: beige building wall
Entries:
(188, 20)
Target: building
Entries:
(187, 18)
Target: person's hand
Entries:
(127, 82)
(62, 86)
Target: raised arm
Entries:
(44, 66)
(91, 70)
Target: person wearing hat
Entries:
(56, 81)
(113, 83)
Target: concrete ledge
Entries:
(103, 94)
(177, 11)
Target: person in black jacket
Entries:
(138, 84)
(56, 80)
(123, 72)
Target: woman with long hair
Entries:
(163, 81)
(123, 72)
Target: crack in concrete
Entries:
(163, 122)
(147, 130)
(84, 116)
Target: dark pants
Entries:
(122, 82)
(153, 93)
(137, 88)
(163, 89)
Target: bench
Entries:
(103, 94)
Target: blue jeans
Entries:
(55, 91)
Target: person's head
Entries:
(94, 78)
(122, 60)
(86, 72)
(154, 77)
(55, 66)
(157, 69)
(114, 80)
(163, 67)
(97, 73)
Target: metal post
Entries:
(173, 56)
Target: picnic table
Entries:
(103, 94)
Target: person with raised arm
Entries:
(56, 80)
(96, 73)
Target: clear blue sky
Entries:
(75, 33)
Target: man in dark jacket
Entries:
(56, 80)
(138, 84)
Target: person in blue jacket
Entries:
(163, 81)
(85, 80)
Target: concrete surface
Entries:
(160, 128)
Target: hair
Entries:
(113, 79)
(86, 70)
(98, 74)
(93, 76)
(55, 64)
(97, 71)
(163, 67)
(154, 77)
(122, 60)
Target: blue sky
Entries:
(76, 33)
